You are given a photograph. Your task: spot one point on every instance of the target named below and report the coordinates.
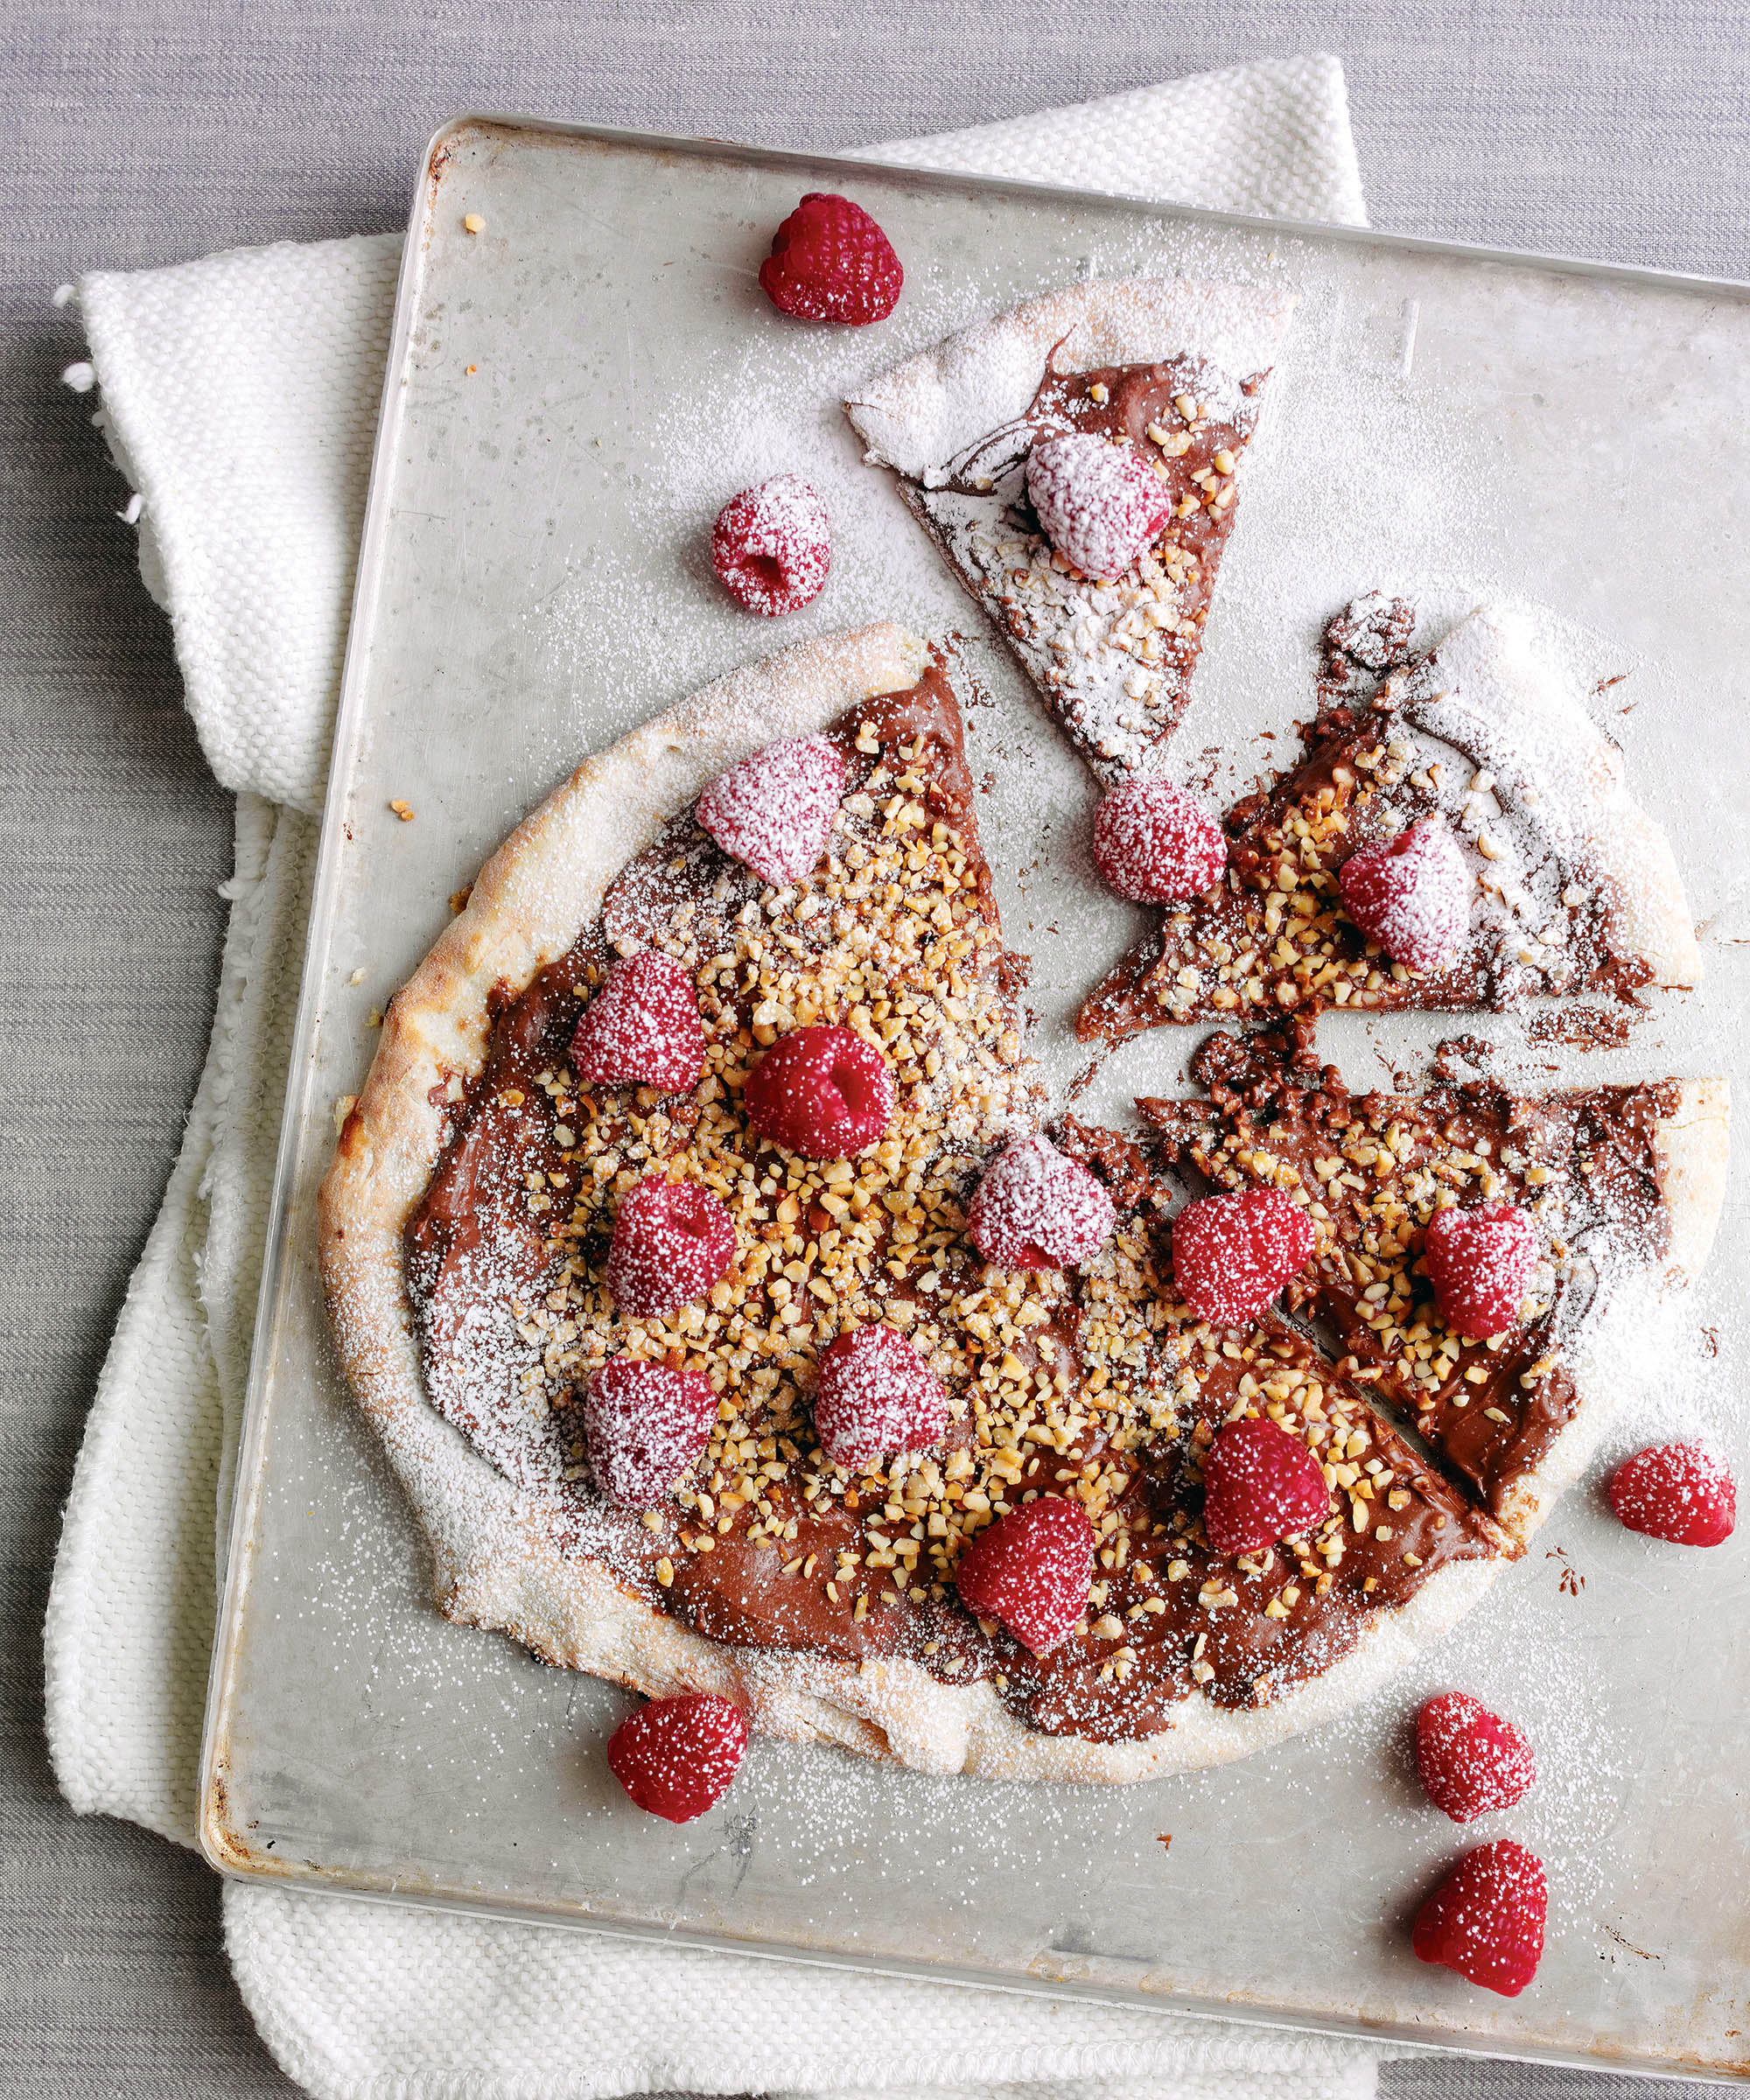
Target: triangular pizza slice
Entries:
(1560, 882)
(1170, 374)
(1616, 1189)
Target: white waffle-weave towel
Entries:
(239, 394)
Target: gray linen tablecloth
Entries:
(159, 130)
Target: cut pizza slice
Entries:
(1167, 376)
(1594, 1203)
(588, 1251)
(1504, 855)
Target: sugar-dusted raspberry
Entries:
(1412, 896)
(821, 1092)
(1260, 1485)
(676, 1757)
(1029, 1571)
(1486, 1919)
(1232, 1254)
(773, 810)
(877, 1395)
(829, 262)
(642, 1028)
(1682, 1493)
(1034, 1209)
(1470, 1761)
(1100, 504)
(772, 546)
(672, 1240)
(1156, 844)
(644, 1425)
(1480, 1262)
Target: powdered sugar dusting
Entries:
(1412, 896)
(1424, 506)
(772, 546)
(877, 1395)
(1033, 1209)
(773, 810)
(645, 1426)
(1100, 505)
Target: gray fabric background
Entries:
(142, 131)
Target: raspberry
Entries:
(877, 1395)
(770, 546)
(774, 809)
(1486, 1919)
(1260, 1485)
(1100, 504)
(1156, 844)
(1480, 1262)
(1470, 1761)
(1033, 1209)
(1412, 896)
(1678, 1492)
(829, 262)
(1031, 1569)
(672, 1240)
(1232, 1254)
(676, 1757)
(642, 1028)
(823, 1093)
(644, 1425)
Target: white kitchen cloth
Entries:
(239, 394)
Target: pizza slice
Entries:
(1106, 610)
(1465, 807)
(1600, 1201)
(693, 1247)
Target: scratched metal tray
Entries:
(583, 369)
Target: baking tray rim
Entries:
(224, 1846)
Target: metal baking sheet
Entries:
(576, 381)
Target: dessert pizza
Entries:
(1076, 461)
(1459, 834)
(735, 1330)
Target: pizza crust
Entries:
(1692, 1149)
(920, 415)
(1559, 777)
